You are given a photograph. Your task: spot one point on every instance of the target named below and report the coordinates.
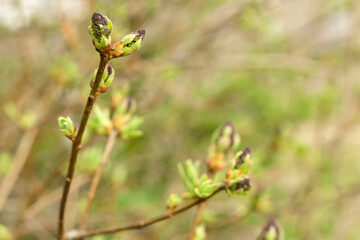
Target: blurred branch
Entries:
(199, 213)
(95, 182)
(18, 162)
(143, 224)
(52, 197)
(104, 58)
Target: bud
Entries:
(106, 79)
(129, 44)
(244, 185)
(67, 127)
(100, 122)
(270, 231)
(100, 30)
(173, 201)
(242, 157)
(243, 160)
(128, 105)
(226, 138)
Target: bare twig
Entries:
(97, 176)
(52, 197)
(197, 220)
(104, 58)
(146, 223)
(18, 162)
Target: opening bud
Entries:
(67, 127)
(106, 80)
(128, 105)
(173, 201)
(271, 231)
(100, 30)
(243, 160)
(129, 44)
(226, 138)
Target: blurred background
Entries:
(285, 72)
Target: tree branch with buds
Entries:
(100, 31)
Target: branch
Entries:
(104, 58)
(97, 176)
(18, 162)
(199, 213)
(143, 224)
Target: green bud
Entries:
(100, 30)
(106, 79)
(128, 105)
(271, 231)
(100, 122)
(67, 127)
(204, 187)
(128, 126)
(189, 174)
(243, 160)
(196, 186)
(225, 138)
(89, 160)
(173, 201)
(129, 44)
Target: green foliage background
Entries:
(285, 72)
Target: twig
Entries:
(143, 224)
(199, 213)
(104, 58)
(97, 176)
(18, 162)
(52, 197)
(197, 220)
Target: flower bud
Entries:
(100, 30)
(271, 231)
(106, 80)
(226, 138)
(129, 44)
(67, 127)
(242, 157)
(100, 122)
(173, 201)
(243, 185)
(243, 160)
(128, 105)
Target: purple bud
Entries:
(241, 159)
(271, 225)
(245, 185)
(109, 70)
(98, 19)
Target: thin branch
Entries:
(197, 220)
(104, 58)
(18, 162)
(199, 212)
(52, 197)
(146, 223)
(97, 176)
